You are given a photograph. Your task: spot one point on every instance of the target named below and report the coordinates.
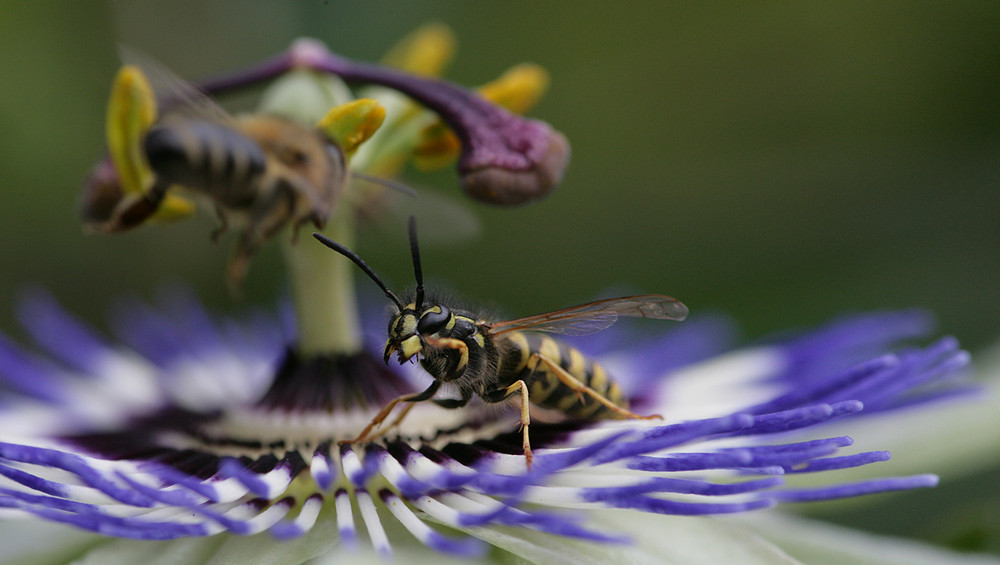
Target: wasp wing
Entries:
(596, 316)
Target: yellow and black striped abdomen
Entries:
(544, 387)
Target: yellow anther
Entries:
(438, 147)
(426, 51)
(518, 89)
(131, 112)
(353, 123)
(173, 208)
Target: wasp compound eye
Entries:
(433, 319)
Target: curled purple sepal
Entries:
(506, 159)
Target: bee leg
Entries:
(315, 218)
(239, 262)
(578, 387)
(295, 232)
(265, 220)
(452, 343)
(273, 213)
(139, 210)
(365, 434)
(220, 215)
(499, 395)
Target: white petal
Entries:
(820, 544)
(671, 540)
(37, 542)
(721, 385)
(263, 548)
(191, 551)
(951, 439)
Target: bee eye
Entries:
(432, 321)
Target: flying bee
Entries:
(259, 173)
(496, 360)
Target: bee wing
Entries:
(174, 95)
(443, 220)
(596, 316)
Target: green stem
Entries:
(322, 282)
(323, 295)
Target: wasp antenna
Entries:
(360, 263)
(417, 272)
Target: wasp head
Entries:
(409, 329)
(414, 323)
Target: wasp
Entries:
(496, 360)
(259, 173)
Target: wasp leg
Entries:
(365, 434)
(498, 395)
(451, 403)
(578, 387)
(448, 403)
(456, 344)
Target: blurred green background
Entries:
(780, 162)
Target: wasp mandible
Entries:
(496, 360)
